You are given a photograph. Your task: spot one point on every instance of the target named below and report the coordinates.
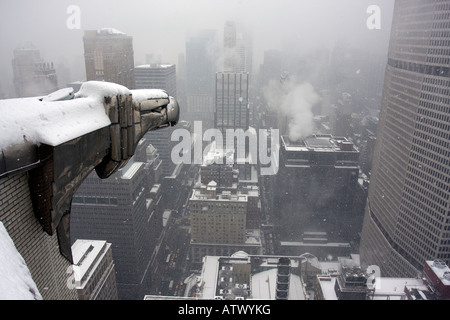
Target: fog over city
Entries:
(225, 150)
(161, 27)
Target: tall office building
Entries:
(32, 75)
(109, 56)
(157, 76)
(119, 211)
(230, 60)
(236, 57)
(232, 101)
(407, 219)
(233, 113)
(200, 70)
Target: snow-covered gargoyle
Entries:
(61, 138)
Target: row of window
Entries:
(95, 200)
(439, 170)
(430, 126)
(231, 207)
(422, 202)
(419, 67)
(419, 176)
(417, 249)
(444, 119)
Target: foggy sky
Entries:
(161, 26)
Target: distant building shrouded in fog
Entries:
(32, 75)
(109, 56)
(200, 70)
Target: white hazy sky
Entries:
(160, 26)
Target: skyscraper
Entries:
(407, 218)
(237, 57)
(119, 211)
(232, 101)
(32, 75)
(200, 70)
(109, 56)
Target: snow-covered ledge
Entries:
(16, 282)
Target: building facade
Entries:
(157, 76)
(93, 270)
(407, 219)
(232, 101)
(118, 211)
(219, 223)
(315, 187)
(47, 266)
(109, 56)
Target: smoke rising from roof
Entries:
(294, 102)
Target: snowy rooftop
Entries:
(130, 170)
(262, 284)
(394, 288)
(86, 256)
(109, 31)
(441, 270)
(317, 143)
(151, 66)
(253, 237)
(200, 194)
(210, 273)
(216, 154)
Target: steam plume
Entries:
(294, 102)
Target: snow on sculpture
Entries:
(60, 138)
